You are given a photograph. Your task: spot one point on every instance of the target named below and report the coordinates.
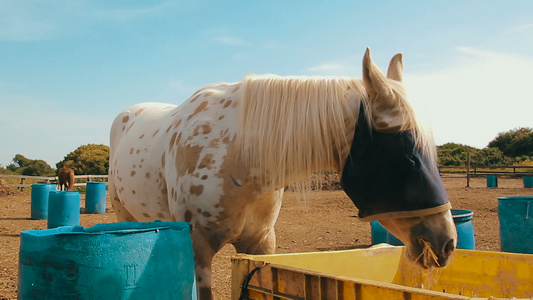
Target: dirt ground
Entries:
(325, 220)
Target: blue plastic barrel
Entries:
(39, 200)
(63, 208)
(378, 233)
(108, 261)
(393, 240)
(516, 224)
(465, 230)
(95, 197)
(492, 181)
(528, 182)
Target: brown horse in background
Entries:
(66, 179)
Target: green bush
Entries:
(514, 143)
(506, 149)
(89, 159)
(30, 167)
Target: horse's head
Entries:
(391, 172)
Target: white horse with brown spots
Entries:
(221, 159)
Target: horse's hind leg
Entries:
(123, 215)
(70, 182)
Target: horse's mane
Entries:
(290, 127)
(423, 137)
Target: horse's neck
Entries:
(304, 151)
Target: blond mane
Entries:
(422, 135)
(292, 127)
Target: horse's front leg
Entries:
(261, 237)
(265, 244)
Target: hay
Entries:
(427, 254)
(427, 275)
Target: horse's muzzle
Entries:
(431, 248)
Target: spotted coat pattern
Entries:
(179, 163)
(172, 163)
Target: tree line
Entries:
(514, 147)
(91, 159)
(508, 148)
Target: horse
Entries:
(66, 179)
(221, 160)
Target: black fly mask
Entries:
(387, 176)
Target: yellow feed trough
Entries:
(382, 272)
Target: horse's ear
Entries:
(375, 81)
(396, 68)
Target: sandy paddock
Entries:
(325, 220)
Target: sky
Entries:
(68, 68)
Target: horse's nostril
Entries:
(449, 247)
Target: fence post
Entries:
(468, 169)
(22, 182)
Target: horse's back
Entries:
(156, 147)
(142, 114)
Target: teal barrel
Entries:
(378, 233)
(108, 261)
(393, 240)
(95, 197)
(528, 182)
(465, 230)
(492, 181)
(516, 224)
(63, 208)
(39, 200)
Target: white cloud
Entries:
(482, 94)
(230, 41)
(129, 13)
(42, 20)
(21, 22)
(224, 36)
(272, 44)
(522, 28)
(177, 84)
(327, 68)
(180, 90)
(347, 66)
